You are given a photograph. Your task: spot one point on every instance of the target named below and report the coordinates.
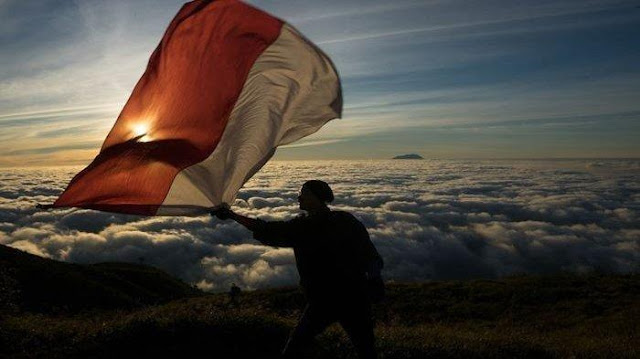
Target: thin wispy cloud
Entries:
(475, 29)
(312, 143)
(56, 112)
(358, 10)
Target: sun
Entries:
(141, 130)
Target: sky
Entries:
(444, 79)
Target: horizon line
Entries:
(390, 159)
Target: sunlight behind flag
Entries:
(141, 131)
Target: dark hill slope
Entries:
(35, 284)
(563, 316)
(559, 316)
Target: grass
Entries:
(561, 316)
(50, 309)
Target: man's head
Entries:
(315, 194)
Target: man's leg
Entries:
(358, 323)
(313, 322)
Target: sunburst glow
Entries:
(141, 129)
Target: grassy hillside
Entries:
(35, 284)
(562, 316)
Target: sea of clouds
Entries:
(430, 219)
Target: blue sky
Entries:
(445, 79)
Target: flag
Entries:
(227, 84)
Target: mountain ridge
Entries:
(409, 156)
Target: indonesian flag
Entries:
(227, 84)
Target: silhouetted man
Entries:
(338, 265)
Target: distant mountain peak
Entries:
(409, 156)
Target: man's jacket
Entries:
(333, 252)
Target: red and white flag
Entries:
(227, 84)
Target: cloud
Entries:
(29, 247)
(431, 219)
(312, 143)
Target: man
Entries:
(338, 265)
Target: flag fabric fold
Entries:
(227, 84)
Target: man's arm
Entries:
(251, 224)
(278, 234)
(371, 260)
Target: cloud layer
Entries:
(429, 219)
